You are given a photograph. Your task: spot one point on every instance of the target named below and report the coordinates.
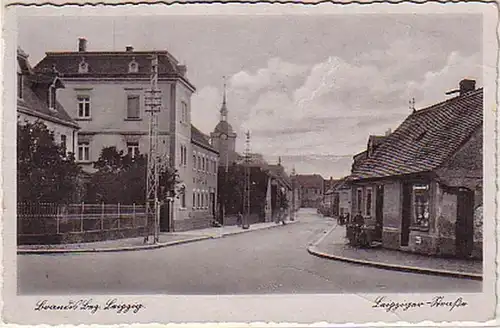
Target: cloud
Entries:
(330, 108)
(205, 106)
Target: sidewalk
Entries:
(132, 244)
(334, 246)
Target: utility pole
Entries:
(248, 183)
(292, 215)
(153, 107)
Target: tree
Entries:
(121, 178)
(45, 173)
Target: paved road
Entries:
(266, 261)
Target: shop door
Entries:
(379, 213)
(406, 215)
(464, 227)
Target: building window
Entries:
(63, 143)
(183, 155)
(133, 149)
(194, 161)
(184, 112)
(194, 199)
(198, 200)
(199, 163)
(421, 198)
(133, 106)
(83, 67)
(183, 197)
(368, 202)
(83, 151)
(133, 67)
(203, 163)
(20, 85)
(359, 201)
(83, 106)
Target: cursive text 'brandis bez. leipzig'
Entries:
(436, 302)
(88, 305)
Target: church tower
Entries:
(224, 138)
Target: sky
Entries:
(309, 88)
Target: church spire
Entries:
(223, 109)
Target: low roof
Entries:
(35, 92)
(426, 139)
(310, 180)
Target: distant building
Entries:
(421, 189)
(37, 100)
(223, 138)
(204, 182)
(312, 187)
(105, 93)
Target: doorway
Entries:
(165, 217)
(379, 212)
(212, 205)
(406, 215)
(464, 227)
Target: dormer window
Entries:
(133, 66)
(52, 98)
(83, 67)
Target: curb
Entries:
(395, 267)
(473, 276)
(135, 248)
(249, 230)
(110, 250)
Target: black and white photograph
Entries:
(189, 152)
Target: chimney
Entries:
(129, 48)
(388, 132)
(182, 69)
(82, 44)
(467, 86)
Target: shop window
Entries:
(359, 201)
(369, 202)
(421, 198)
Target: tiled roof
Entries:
(111, 64)
(201, 139)
(278, 171)
(425, 139)
(310, 180)
(334, 185)
(34, 97)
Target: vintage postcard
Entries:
(239, 163)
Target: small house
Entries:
(421, 188)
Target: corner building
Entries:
(105, 93)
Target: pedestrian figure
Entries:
(239, 219)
